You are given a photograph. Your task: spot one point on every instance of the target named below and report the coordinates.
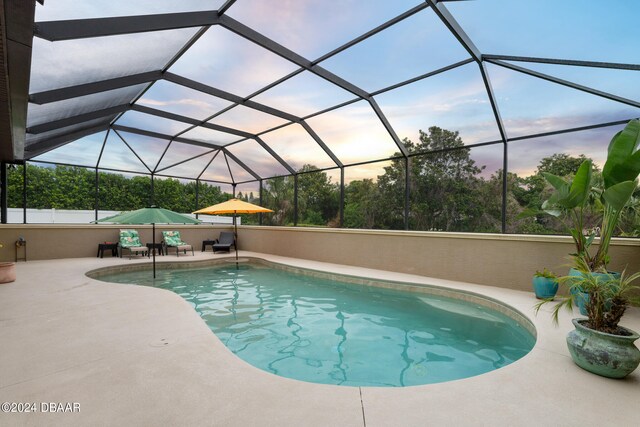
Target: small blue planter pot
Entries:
(544, 287)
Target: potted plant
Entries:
(7, 271)
(572, 198)
(598, 343)
(545, 284)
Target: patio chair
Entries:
(224, 242)
(130, 240)
(172, 239)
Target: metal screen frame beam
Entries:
(373, 32)
(223, 9)
(566, 83)
(160, 136)
(226, 160)
(387, 126)
(450, 22)
(41, 147)
(99, 27)
(24, 192)
(295, 200)
(133, 151)
(492, 99)
(210, 90)
(569, 62)
(274, 154)
(74, 120)
(54, 95)
(407, 191)
(341, 203)
(217, 149)
(208, 164)
(570, 130)
(240, 163)
(3, 192)
(321, 143)
(16, 42)
(190, 121)
(423, 76)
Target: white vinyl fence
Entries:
(65, 216)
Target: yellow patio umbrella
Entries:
(235, 207)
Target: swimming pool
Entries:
(318, 330)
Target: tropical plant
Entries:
(619, 173)
(548, 274)
(569, 203)
(571, 199)
(609, 297)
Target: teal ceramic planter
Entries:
(608, 355)
(544, 287)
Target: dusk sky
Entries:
(454, 100)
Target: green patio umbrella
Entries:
(153, 215)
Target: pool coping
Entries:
(141, 355)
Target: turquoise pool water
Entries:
(329, 332)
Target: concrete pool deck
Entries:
(134, 355)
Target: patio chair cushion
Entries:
(172, 238)
(129, 239)
(183, 247)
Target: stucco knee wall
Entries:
(507, 261)
(54, 241)
(500, 260)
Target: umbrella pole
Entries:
(153, 239)
(235, 225)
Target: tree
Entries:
(444, 186)
(249, 219)
(14, 186)
(172, 194)
(318, 197)
(360, 204)
(211, 194)
(278, 196)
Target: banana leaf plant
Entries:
(571, 198)
(620, 175)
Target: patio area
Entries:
(460, 144)
(133, 355)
